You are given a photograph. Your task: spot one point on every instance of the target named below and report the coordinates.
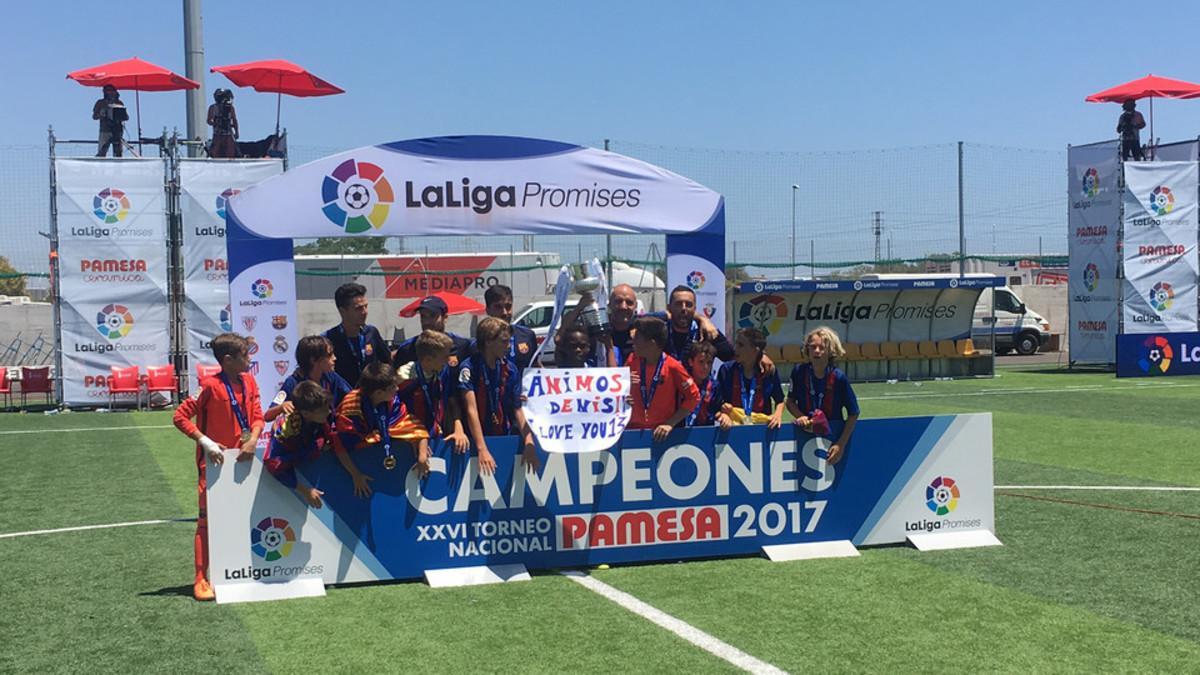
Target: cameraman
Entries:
(1128, 125)
(223, 119)
(112, 115)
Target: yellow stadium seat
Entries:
(966, 347)
(889, 350)
(793, 353)
(870, 351)
(928, 349)
(773, 352)
(909, 350)
(853, 353)
(946, 349)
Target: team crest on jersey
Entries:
(523, 348)
(281, 345)
(279, 321)
(249, 322)
(281, 367)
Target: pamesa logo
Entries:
(1158, 355)
(1091, 277)
(1162, 200)
(223, 201)
(357, 196)
(1161, 296)
(114, 321)
(272, 539)
(1091, 183)
(695, 280)
(110, 205)
(765, 313)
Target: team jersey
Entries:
(710, 403)
(427, 397)
(763, 392)
(330, 382)
(665, 387)
(357, 425)
(357, 351)
(294, 441)
(214, 414)
(496, 392)
(406, 352)
(831, 393)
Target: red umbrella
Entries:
(277, 76)
(134, 74)
(455, 304)
(1147, 87)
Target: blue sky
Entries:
(752, 76)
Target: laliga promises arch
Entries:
(461, 185)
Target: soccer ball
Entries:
(1155, 355)
(358, 196)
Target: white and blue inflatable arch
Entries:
(461, 185)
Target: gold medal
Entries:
(389, 462)
(245, 435)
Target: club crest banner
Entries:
(576, 410)
(205, 188)
(1094, 222)
(1160, 227)
(112, 256)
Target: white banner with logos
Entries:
(576, 410)
(1161, 270)
(205, 187)
(1094, 224)
(268, 321)
(112, 230)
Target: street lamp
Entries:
(794, 189)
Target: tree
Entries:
(11, 282)
(344, 246)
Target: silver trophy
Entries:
(595, 320)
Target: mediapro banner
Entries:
(573, 411)
(1161, 268)
(205, 188)
(1155, 354)
(701, 493)
(1094, 222)
(858, 313)
(113, 271)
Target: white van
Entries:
(1017, 326)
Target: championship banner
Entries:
(1094, 223)
(1161, 267)
(701, 493)
(861, 311)
(573, 411)
(205, 187)
(112, 254)
(1158, 354)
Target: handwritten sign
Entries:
(576, 409)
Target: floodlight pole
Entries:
(793, 243)
(193, 58)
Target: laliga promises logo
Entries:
(1162, 201)
(356, 196)
(1161, 296)
(262, 288)
(1158, 355)
(1091, 183)
(114, 321)
(941, 496)
(272, 539)
(223, 200)
(695, 280)
(1091, 276)
(765, 312)
(226, 319)
(110, 205)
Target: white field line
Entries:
(1017, 392)
(81, 528)
(54, 431)
(1115, 488)
(708, 643)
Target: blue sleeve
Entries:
(723, 346)
(512, 388)
(797, 380)
(776, 389)
(724, 392)
(340, 388)
(849, 400)
(465, 376)
(288, 386)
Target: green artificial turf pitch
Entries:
(1087, 580)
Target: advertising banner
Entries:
(112, 254)
(1094, 223)
(700, 493)
(1161, 268)
(205, 188)
(861, 311)
(1157, 354)
(265, 315)
(576, 410)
